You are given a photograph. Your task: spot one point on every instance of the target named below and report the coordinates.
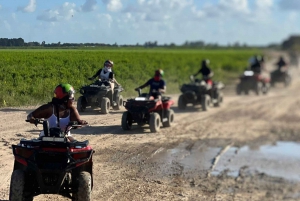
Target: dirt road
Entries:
(244, 150)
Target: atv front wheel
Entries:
(119, 102)
(287, 80)
(17, 183)
(126, 121)
(81, 104)
(170, 118)
(238, 89)
(154, 122)
(84, 191)
(219, 99)
(105, 104)
(181, 103)
(205, 102)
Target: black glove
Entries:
(137, 89)
(90, 78)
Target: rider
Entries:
(106, 74)
(281, 63)
(157, 85)
(206, 72)
(256, 64)
(62, 104)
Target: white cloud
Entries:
(0, 7)
(113, 5)
(64, 12)
(264, 4)
(14, 16)
(240, 6)
(7, 25)
(105, 20)
(29, 8)
(89, 5)
(290, 4)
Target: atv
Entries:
(198, 92)
(251, 81)
(282, 76)
(52, 165)
(99, 94)
(144, 110)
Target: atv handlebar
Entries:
(71, 124)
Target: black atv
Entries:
(99, 94)
(281, 76)
(198, 92)
(252, 81)
(52, 165)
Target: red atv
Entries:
(250, 80)
(52, 165)
(142, 110)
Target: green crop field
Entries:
(29, 76)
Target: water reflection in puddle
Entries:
(281, 159)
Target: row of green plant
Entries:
(29, 76)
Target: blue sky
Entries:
(254, 22)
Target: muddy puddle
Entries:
(281, 159)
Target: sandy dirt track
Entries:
(183, 162)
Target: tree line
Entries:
(292, 43)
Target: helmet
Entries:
(109, 63)
(159, 72)
(64, 92)
(205, 62)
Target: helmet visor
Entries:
(108, 65)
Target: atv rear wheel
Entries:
(126, 121)
(205, 102)
(81, 104)
(169, 114)
(154, 122)
(105, 104)
(181, 103)
(17, 182)
(84, 191)
(119, 102)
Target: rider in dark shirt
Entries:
(281, 63)
(157, 85)
(205, 71)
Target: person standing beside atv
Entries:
(60, 108)
(106, 74)
(157, 85)
(206, 72)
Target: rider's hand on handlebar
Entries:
(83, 122)
(137, 89)
(90, 78)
